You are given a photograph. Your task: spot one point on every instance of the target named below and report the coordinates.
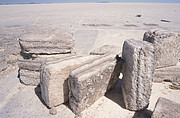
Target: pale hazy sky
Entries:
(76, 1)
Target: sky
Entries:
(85, 1)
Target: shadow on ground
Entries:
(143, 114)
(116, 94)
(38, 93)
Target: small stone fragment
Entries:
(53, 111)
(138, 15)
(166, 45)
(166, 109)
(138, 72)
(165, 21)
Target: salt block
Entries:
(54, 79)
(166, 109)
(90, 82)
(171, 74)
(166, 45)
(46, 43)
(29, 77)
(138, 72)
(105, 49)
(34, 62)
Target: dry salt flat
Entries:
(93, 25)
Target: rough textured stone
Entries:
(105, 49)
(90, 82)
(3, 63)
(138, 72)
(166, 45)
(54, 79)
(8, 50)
(34, 63)
(171, 74)
(166, 109)
(3, 66)
(28, 77)
(46, 43)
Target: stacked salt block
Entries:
(50, 43)
(166, 45)
(138, 72)
(30, 66)
(166, 109)
(90, 82)
(39, 47)
(167, 49)
(54, 78)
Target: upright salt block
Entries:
(91, 81)
(166, 46)
(54, 78)
(138, 72)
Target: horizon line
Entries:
(78, 2)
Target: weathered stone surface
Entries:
(28, 77)
(3, 66)
(34, 63)
(3, 63)
(90, 82)
(54, 78)
(46, 43)
(175, 86)
(138, 72)
(171, 74)
(166, 109)
(8, 51)
(105, 49)
(166, 45)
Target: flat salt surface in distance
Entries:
(74, 15)
(93, 25)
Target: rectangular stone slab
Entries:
(166, 45)
(28, 62)
(171, 74)
(28, 77)
(90, 82)
(46, 43)
(138, 72)
(166, 109)
(54, 79)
